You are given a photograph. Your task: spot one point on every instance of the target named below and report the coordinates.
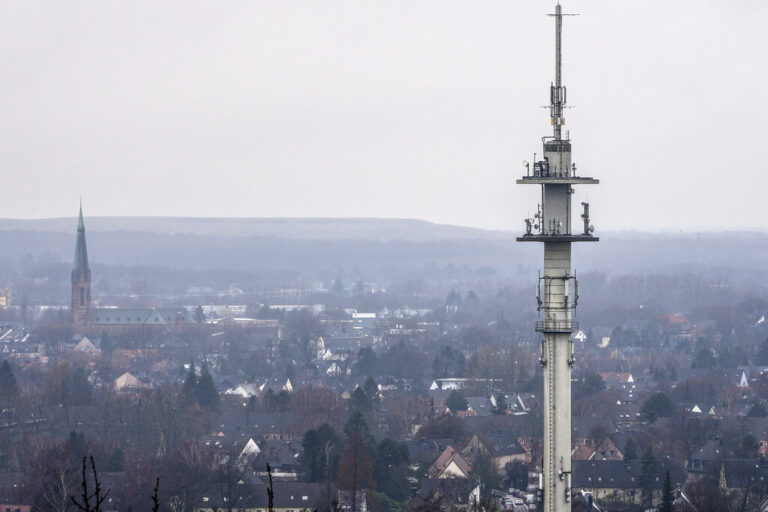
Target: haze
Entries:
(403, 109)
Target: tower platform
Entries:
(561, 326)
(544, 180)
(557, 238)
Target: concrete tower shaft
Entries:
(557, 289)
(557, 359)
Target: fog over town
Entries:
(267, 256)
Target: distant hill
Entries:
(373, 248)
(290, 228)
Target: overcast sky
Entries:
(421, 109)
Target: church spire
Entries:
(81, 251)
(81, 276)
(80, 223)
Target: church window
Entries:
(82, 296)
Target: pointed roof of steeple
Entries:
(81, 252)
(80, 223)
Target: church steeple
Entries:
(81, 277)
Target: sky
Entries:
(397, 108)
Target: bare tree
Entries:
(90, 501)
(155, 499)
(49, 475)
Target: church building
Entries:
(84, 316)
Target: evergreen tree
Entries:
(390, 469)
(453, 298)
(762, 354)
(320, 455)
(630, 450)
(80, 388)
(516, 474)
(357, 425)
(359, 401)
(501, 405)
(76, 445)
(659, 405)
(704, 359)
(490, 480)
(205, 391)
(592, 383)
(502, 324)
(199, 315)
(647, 473)
(667, 495)
(189, 389)
(279, 402)
(107, 345)
(9, 388)
(116, 461)
(456, 402)
(367, 362)
(371, 390)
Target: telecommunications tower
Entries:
(557, 287)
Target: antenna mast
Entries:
(557, 94)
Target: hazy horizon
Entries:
(144, 222)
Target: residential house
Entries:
(450, 464)
(500, 444)
(619, 481)
(606, 449)
(422, 452)
(127, 382)
(446, 494)
(11, 493)
(587, 430)
(88, 346)
(282, 457)
(288, 497)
